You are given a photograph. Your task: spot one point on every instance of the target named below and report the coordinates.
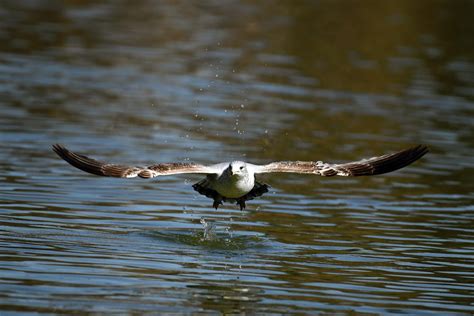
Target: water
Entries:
(208, 82)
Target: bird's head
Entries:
(237, 168)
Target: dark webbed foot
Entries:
(241, 203)
(216, 204)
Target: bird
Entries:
(235, 181)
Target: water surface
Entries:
(148, 82)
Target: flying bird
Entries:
(235, 182)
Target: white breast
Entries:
(231, 187)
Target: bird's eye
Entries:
(241, 167)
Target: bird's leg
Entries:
(241, 203)
(217, 202)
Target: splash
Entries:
(209, 230)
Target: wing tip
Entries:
(419, 151)
(79, 161)
(404, 158)
(422, 147)
(382, 164)
(60, 150)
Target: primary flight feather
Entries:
(235, 181)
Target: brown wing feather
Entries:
(365, 167)
(179, 167)
(382, 164)
(123, 171)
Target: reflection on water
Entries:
(211, 82)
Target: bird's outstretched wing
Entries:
(365, 167)
(123, 171)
